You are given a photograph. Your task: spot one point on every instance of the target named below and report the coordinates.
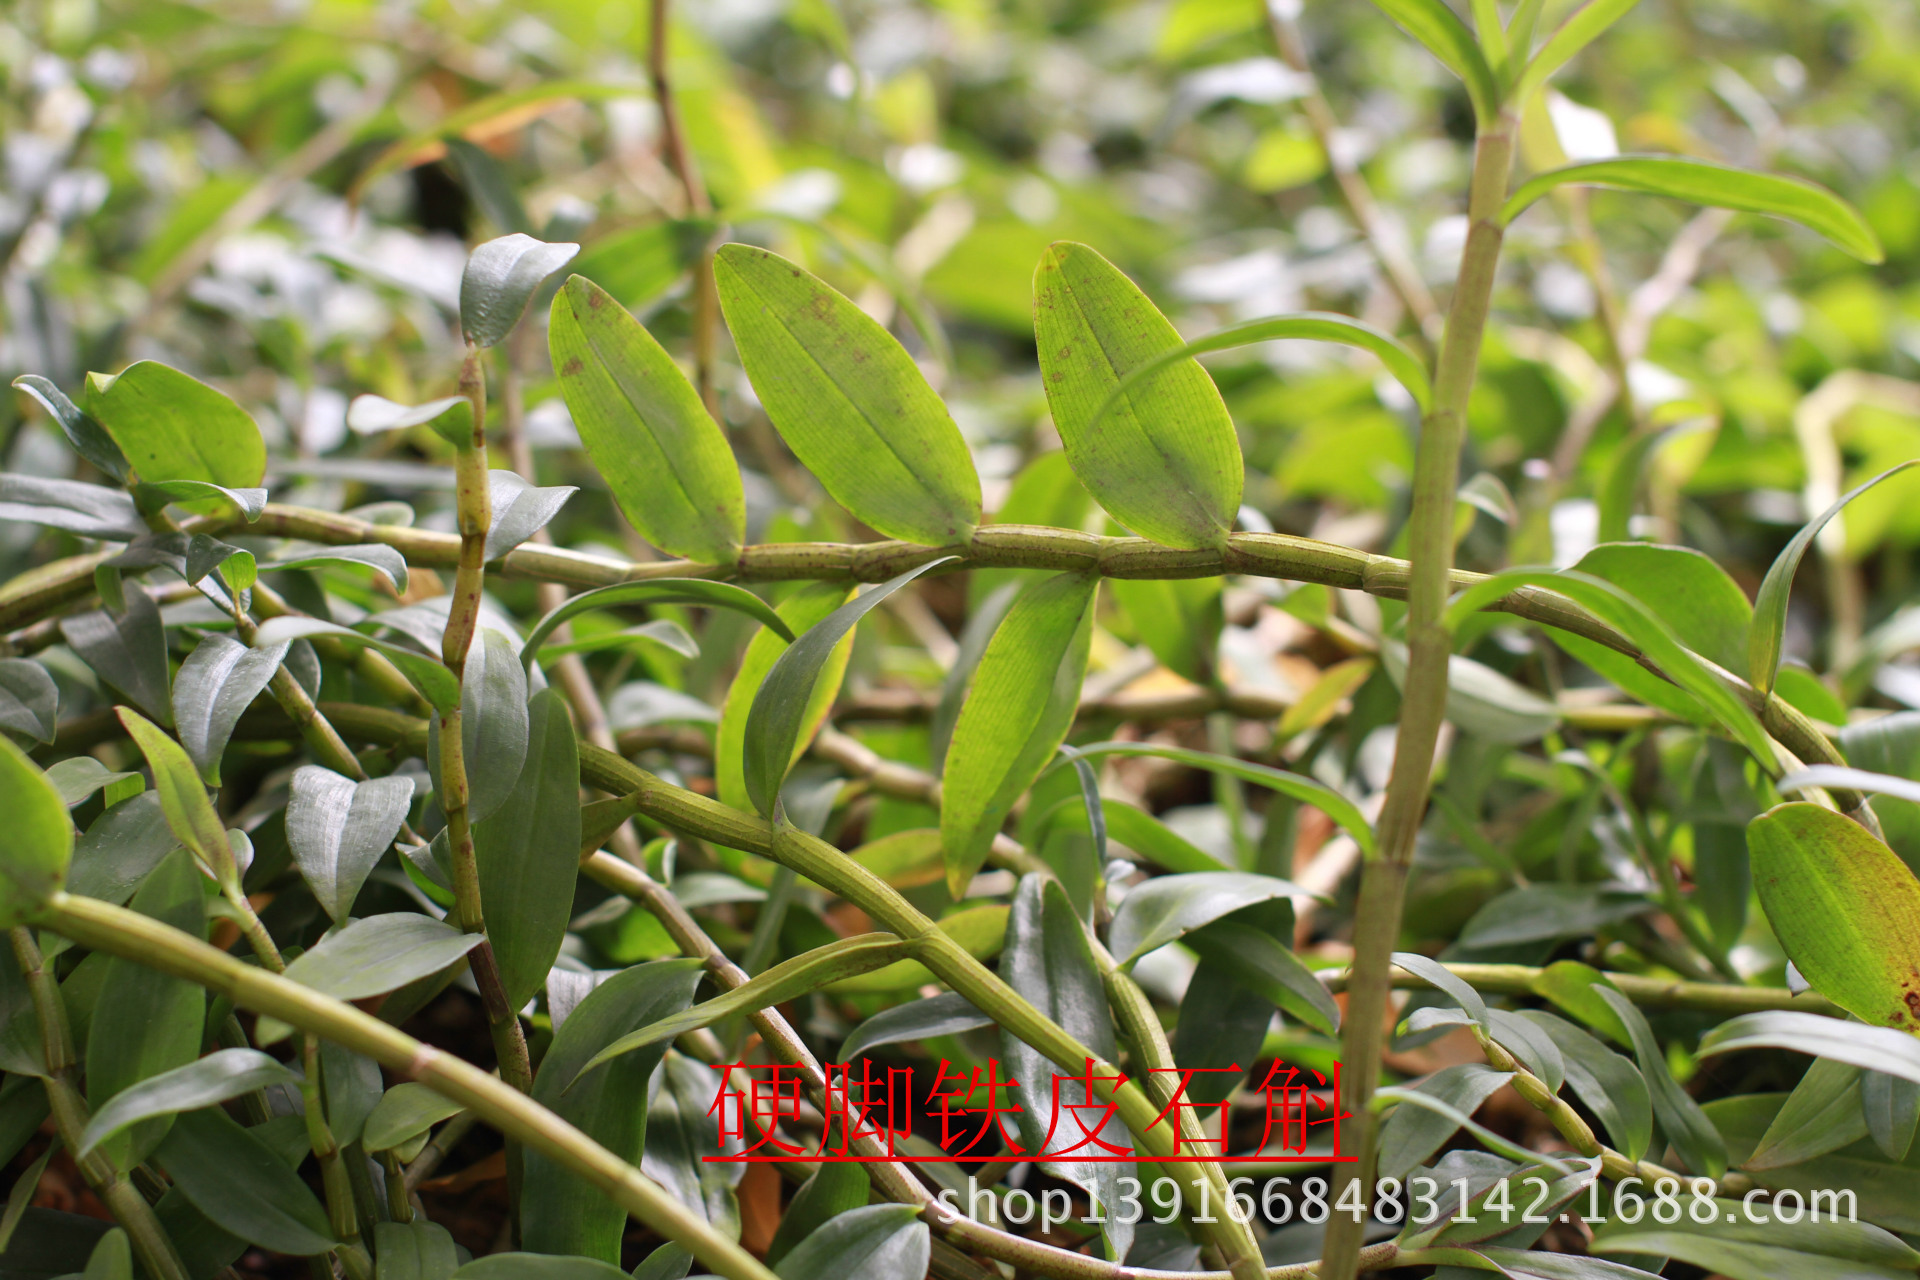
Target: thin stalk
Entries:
(1376, 926)
(680, 158)
(151, 1244)
(103, 927)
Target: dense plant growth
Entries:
(782, 595)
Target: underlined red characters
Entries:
(1295, 1107)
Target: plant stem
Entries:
(680, 158)
(103, 927)
(1383, 878)
(1648, 993)
(123, 1200)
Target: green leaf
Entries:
(694, 591)
(488, 185)
(1716, 185)
(172, 426)
(1770, 606)
(1881, 1049)
(1179, 620)
(559, 1211)
(1138, 830)
(1434, 25)
(1219, 1033)
(90, 510)
(417, 1250)
(1168, 907)
(435, 683)
(1886, 1192)
(1692, 594)
(1480, 700)
(846, 958)
(1580, 29)
(237, 1181)
(1049, 960)
(1891, 1106)
(201, 495)
(1845, 908)
(1292, 785)
(1734, 1246)
(537, 1266)
(1681, 1119)
(1575, 987)
(1321, 326)
(800, 611)
(832, 1190)
(111, 1259)
(1822, 1114)
(216, 1078)
(1611, 1086)
(145, 1022)
(40, 837)
(1022, 703)
(529, 851)
(378, 556)
(1412, 1133)
(946, 1014)
(339, 829)
(79, 777)
(645, 429)
(373, 956)
(784, 700)
(183, 798)
(494, 723)
(127, 650)
(876, 1240)
(682, 1138)
(403, 1113)
(848, 400)
(1165, 460)
(351, 1086)
(88, 438)
(218, 681)
(1532, 1046)
(1639, 624)
(120, 848)
(519, 510)
(28, 1185)
(1548, 911)
(1263, 964)
(640, 264)
(501, 278)
(1441, 978)
(451, 417)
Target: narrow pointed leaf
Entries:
(216, 1078)
(943, 1015)
(1610, 1086)
(172, 426)
(403, 1113)
(90, 510)
(1582, 27)
(127, 650)
(1882, 1049)
(1262, 963)
(1415, 1131)
(1434, 25)
(500, 280)
(875, 1240)
(40, 837)
(88, 438)
(240, 1184)
(202, 495)
(78, 777)
(371, 415)
(1685, 1125)
(645, 429)
(417, 1250)
(832, 1190)
(435, 683)
(378, 556)
(339, 829)
(1442, 978)
(493, 723)
(538, 1266)
(218, 681)
(183, 797)
(1168, 907)
(693, 591)
(1822, 1114)
(1719, 186)
(379, 953)
(1891, 1106)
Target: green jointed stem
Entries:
(1383, 879)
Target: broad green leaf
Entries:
(202, 496)
(417, 1250)
(111, 1259)
(1719, 186)
(379, 953)
(1822, 1114)
(351, 1086)
(237, 1181)
(1891, 1107)
(943, 1015)
(1412, 1133)
(183, 798)
(988, 611)
(145, 1022)
(339, 829)
(1689, 592)
(783, 706)
(78, 777)
(1544, 911)
(1441, 978)
(435, 683)
(1611, 1086)
(683, 1136)
(874, 1240)
(1888, 745)
(1164, 460)
(519, 510)
(1434, 25)
(559, 1211)
(216, 1078)
(1321, 326)
(501, 278)
(693, 591)
(1168, 907)
(1021, 705)
(1580, 29)
(1219, 1030)
(127, 650)
(1881, 1049)
(1626, 614)
(1480, 700)
(1845, 908)
(1294, 786)
(1885, 1192)
(643, 426)
(120, 848)
(529, 851)
(538, 1266)
(29, 699)
(378, 556)
(1735, 1246)
(1681, 1119)
(88, 438)
(493, 723)
(1263, 964)
(1049, 961)
(214, 686)
(1770, 605)
(40, 840)
(833, 1189)
(796, 977)
(403, 1113)
(1178, 619)
(848, 400)
(172, 426)
(90, 510)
